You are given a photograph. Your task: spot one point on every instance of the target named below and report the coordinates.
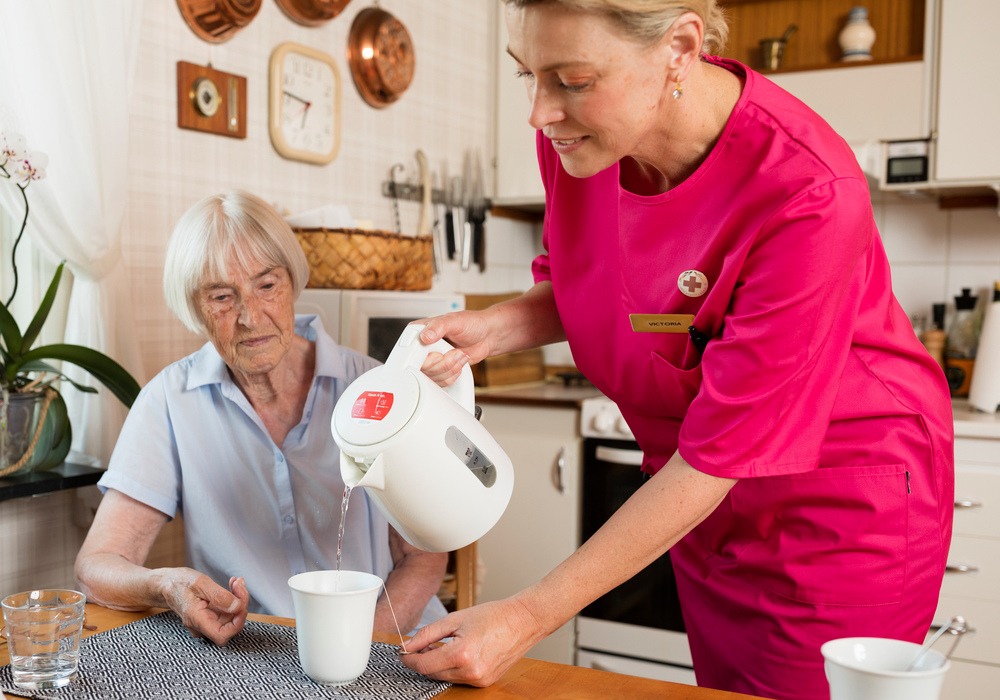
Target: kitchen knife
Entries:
(467, 195)
(449, 218)
(477, 214)
(424, 221)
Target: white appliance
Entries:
(637, 628)
(429, 465)
(369, 320)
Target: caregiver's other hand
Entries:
(487, 639)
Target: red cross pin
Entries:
(692, 283)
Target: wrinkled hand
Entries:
(467, 331)
(487, 640)
(207, 609)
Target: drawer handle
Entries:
(559, 472)
(961, 568)
(967, 503)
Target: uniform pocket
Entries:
(833, 536)
(676, 387)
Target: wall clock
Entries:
(304, 114)
(312, 13)
(380, 53)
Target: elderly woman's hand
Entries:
(206, 609)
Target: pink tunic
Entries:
(812, 390)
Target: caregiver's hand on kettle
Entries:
(467, 331)
(527, 321)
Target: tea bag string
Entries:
(402, 642)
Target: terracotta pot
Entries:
(35, 433)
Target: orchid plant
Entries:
(24, 368)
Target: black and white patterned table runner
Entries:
(157, 658)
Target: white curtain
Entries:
(66, 69)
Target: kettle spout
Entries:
(356, 473)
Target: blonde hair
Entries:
(217, 231)
(648, 20)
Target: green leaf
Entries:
(35, 327)
(102, 367)
(39, 366)
(10, 332)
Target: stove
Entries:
(636, 628)
(600, 417)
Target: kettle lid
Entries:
(376, 406)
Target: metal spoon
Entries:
(956, 626)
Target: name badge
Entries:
(661, 323)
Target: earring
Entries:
(679, 90)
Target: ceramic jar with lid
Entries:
(857, 36)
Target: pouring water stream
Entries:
(340, 555)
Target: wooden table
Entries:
(528, 679)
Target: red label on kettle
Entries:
(372, 405)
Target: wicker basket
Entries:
(359, 259)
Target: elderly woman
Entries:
(713, 261)
(236, 439)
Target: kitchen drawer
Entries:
(983, 616)
(977, 500)
(980, 450)
(969, 681)
(983, 582)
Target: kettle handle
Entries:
(410, 352)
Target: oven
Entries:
(636, 628)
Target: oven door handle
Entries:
(616, 455)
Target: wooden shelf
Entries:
(65, 476)
(898, 24)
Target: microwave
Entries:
(370, 321)
(907, 161)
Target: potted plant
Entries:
(35, 433)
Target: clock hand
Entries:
(296, 97)
(305, 113)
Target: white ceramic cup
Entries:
(873, 668)
(334, 620)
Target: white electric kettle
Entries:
(433, 470)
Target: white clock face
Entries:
(305, 105)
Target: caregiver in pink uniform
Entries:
(713, 261)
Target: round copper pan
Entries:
(216, 21)
(381, 56)
(312, 13)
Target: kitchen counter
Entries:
(547, 393)
(970, 422)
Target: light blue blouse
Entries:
(192, 445)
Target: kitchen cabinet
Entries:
(540, 527)
(972, 582)
(518, 182)
(967, 144)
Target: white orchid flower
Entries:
(31, 167)
(12, 148)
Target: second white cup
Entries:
(334, 620)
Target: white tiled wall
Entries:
(936, 252)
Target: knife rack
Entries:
(411, 193)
